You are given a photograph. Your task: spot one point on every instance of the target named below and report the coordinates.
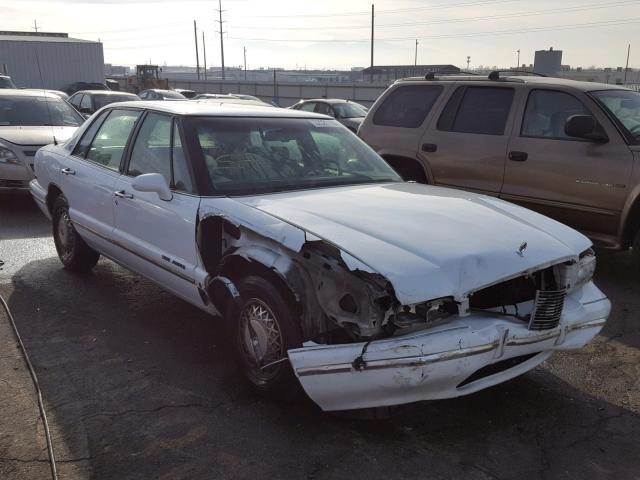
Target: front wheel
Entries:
(264, 328)
(72, 250)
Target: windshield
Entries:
(625, 106)
(35, 111)
(6, 82)
(102, 100)
(172, 95)
(349, 110)
(263, 155)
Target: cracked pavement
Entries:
(139, 385)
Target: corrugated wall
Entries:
(61, 63)
(289, 93)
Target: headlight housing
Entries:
(7, 156)
(586, 267)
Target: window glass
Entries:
(624, 105)
(324, 108)
(108, 146)
(83, 145)
(152, 151)
(308, 107)
(86, 102)
(35, 111)
(483, 110)
(350, 110)
(181, 177)
(75, 100)
(103, 100)
(547, 111)
(407, 106)
(262, 155)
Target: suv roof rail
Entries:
(495, 74)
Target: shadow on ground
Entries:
(142, 387)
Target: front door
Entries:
(576, 181)
(466, 147)
(158, 237)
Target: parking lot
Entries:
(138, 384)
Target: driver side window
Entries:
(152, 150)
(547, 112)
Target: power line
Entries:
(458, 20)
(457, 35)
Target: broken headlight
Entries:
(586, 268)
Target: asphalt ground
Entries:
(139, 385)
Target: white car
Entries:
(30, 119)
(326, 266)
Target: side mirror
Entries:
(152, 182)
(585, 126)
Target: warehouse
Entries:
(61, 60)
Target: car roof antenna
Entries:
(46, 100)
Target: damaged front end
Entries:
(364, 347)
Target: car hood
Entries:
(354, 122)
(429, 242)
(41, 135)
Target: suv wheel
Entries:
(263, 330)
(72, 250)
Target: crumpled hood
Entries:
(41, 135)
(429, 242)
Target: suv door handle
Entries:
(429, 147)
(123, 194)
(67, 171)
(518, 156)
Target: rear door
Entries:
(158, 237)
(578, 182)
(91, 173)
(466, 148)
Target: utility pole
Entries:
(372, 24)
(245, 63)
(204, 54)
(221, 38)
(415, 61)
(195, 36)
(468, 60)
(35, 26)
(518, 64)
(626, 68)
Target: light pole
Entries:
(468, 60)
(245, 63)
(416, 56)
(518, 64)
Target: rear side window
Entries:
(546, 113)
(479, 110)
(407, 106)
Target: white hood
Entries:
(429, 242)
(40, 135)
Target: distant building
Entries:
(386, 73)
(116, 70)
(62, 60)
(548, 62)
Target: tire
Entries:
(73, 252)
(263, 329)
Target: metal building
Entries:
(62, 60)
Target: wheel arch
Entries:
(53, 192)
(409, 168)
(630, 219)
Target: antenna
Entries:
(46, 100)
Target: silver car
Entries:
(30, 119)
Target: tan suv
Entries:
(567, 149)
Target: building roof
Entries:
(222, 109)
(48, 37)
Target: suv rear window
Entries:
(481, 110)
(407, 106)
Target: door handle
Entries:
(429, 147)
(518, 156)
(123, 194)
(67, 171)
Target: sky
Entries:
(335, 34)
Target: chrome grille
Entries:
(547, 309)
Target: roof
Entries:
(40, 37)
(221, 109)
(19, 92)
(537, 80)
(107, 92)
(326, 100)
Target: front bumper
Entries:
(446, 361)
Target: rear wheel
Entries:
(72, 250)
(264, 328)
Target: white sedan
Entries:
(330, 271)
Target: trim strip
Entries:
(143, 257)
(533, 339)
(592, 324)
(399, 362)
